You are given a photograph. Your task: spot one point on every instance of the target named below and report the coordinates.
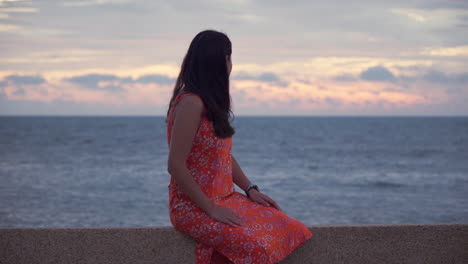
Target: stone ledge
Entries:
(378, 243)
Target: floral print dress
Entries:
(269, 234)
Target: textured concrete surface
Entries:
(411, 243)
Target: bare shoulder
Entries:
(192, 100)
(189, 105)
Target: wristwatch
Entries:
(250, 187)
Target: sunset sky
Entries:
(119, 57)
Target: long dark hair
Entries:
(204, 72)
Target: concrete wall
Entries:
(412, 243)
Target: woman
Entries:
(228, 226)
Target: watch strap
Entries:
(250, 187)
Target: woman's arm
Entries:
(243, 182)
(185, 126)
(239, 177)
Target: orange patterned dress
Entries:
(269, 235)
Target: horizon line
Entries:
(142, 115)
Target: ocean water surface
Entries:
(111, 171)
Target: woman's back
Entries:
(209, 160)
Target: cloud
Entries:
(156, 78)
(7, 3)
(30, 31)
(440, 77)
(412, 14)
(23, 79)
(403, 80)
(94, 2)
(268, 77)
(20, 10)
(92, 80)
(442, 17)
(263, 77)
(272, 43)
(377, 74)
(446, 51)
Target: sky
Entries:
(308, 58)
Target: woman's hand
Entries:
(226, 215)
(262, 198)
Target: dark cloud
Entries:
(88, 81)
(440, 77)
(18, 81)
(268, 77)
(22, 79)
(264, 77)
(377, 74)
(156, 78)
(92, 80)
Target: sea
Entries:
(111, 171)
